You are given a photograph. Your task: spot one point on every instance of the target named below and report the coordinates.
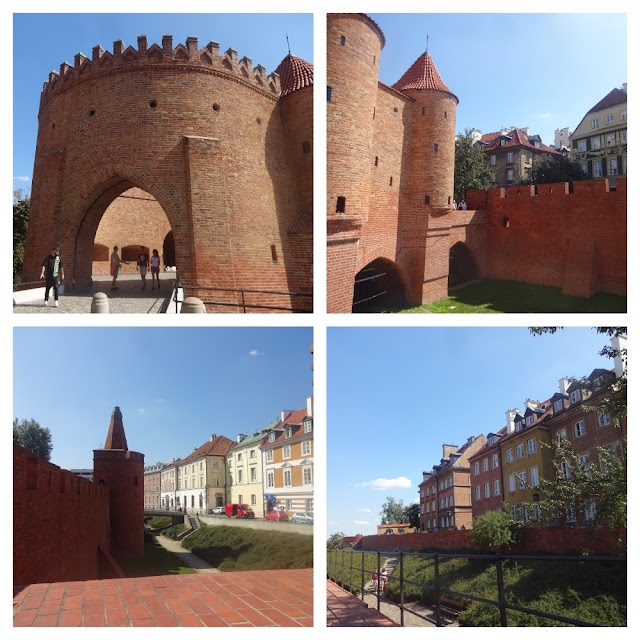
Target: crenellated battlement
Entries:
(188, 55)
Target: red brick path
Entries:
(241, 599)
(345, 610)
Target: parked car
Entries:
(276, 515)
(302, 516)
(239, 511)
(218, 510)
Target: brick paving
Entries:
(345, 610)
(240, 599)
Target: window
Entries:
(523, 479)
(328, 94)
(476, 468)
(512, 484)
(494, 461)
(584, 167)
(341, 204)
(566, 471)
(595, 142)
(604, 419)
(272, 437)
(590, 511)
(525, 513)
(583, 461)
(270, 483)
(493, 177)
(610, 119)
(576, 395)
(286, 451)
(342, 41)
(623, 135)
(270, 455)
(531, 446)
(253, 500)
(478, 492)
(253, 453)
(519, 425)
(493, 161)
(509, 455)
(582, 145)
(594, 123)
(623, 116)
(487, 490)
(570, 514)
(485, 464)
(558, 406)
(496, 487)
(306, 448)
(613, 167)
(433, 489)
(253, 474)
(520, 451)
(510, 157)
(530, 420)
(287, 477)
(510, 175)
(611, 140)
(308, 426)
(240, 499)
(287, 432)
(597, 169)
(306, 476)
(578, 428)
(435, 148)
(306, 147)
(308, 505)
(288, 504)
(603, 465)
(514, 512)
(442, 503)
(533, 477)
(216, 481)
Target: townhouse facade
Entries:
(152, 485)
(510, 154)
(599, 143)
(487, 491)
(168, 485)
(245, 472)
(287, 454)
(445, 491)
(201, 478)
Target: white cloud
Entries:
(544, 115)
(254, 352)
(140, 411)
(383, 484)
(22, 178)
(331, 522)
(363, 510)
(361, 522)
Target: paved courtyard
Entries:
(239, 599)
(345, 610)
(128, 299)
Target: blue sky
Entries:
(175, 386)
(526, 70)
(396, 395)
(43, 41)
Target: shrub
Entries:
(493, 531)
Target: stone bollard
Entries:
(100, 303)
(192, 305)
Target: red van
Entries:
(239, 511)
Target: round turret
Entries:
(354, 42)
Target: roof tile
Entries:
(423, 74)
(295, 73)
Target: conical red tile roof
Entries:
(295, 73)
(423, 74)
(115, 437)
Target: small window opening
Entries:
(449, 200)
(342, 201)
(391, 181)
(216, 106)
(395, 109)
(424, 110)
(328, 94)
(92, 112)
(505, 221)
(306, 146)
(427, 200)
(445, 115)
(259, 120)
(153, 104)
(101, 483)
(342, 41)
(135, 480)
(274, 255)
(376, 162)
(53, 126)
(435, 148)
(374, 113)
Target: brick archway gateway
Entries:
(378, 287)
(462, 265)
(222, 146)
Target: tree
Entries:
(412, 515)
(577, 485)
(547, 169)
(21, 203)
(471, 170)
(30, 435)
(392, 511)
(492, 531)
(335, 540)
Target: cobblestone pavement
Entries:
(345, 610)
(128, 299)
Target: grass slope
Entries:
(244, 549)
(157, 561)
(506, 296)
(348, 577)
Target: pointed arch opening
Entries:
(462, 265)
(378, 287)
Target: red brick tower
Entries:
(123, 472)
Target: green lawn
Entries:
(157, 561)
(243, 549)
(507, 296)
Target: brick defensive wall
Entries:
(221, 145)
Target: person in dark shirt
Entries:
(52, 272)
(143, 263)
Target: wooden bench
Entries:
(450, 606)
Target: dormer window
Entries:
(575, 396)
(530, 420)
(307, 426)
(503, 142)
(519, 426)
(287, 432)
(272, 437)
(558, 405)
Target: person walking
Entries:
(142, 264)
(115, 267)
(155, 269)
(383, 578)
(51, 269)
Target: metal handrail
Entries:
(245, 305)
(497, 558)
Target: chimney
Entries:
(619, 344)
(240, 437)
(284, 414)
(624, 87)
(212, 437)
(563, 384)
(310, 406)
(447, 450)
(511, 416)
(530, 404)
